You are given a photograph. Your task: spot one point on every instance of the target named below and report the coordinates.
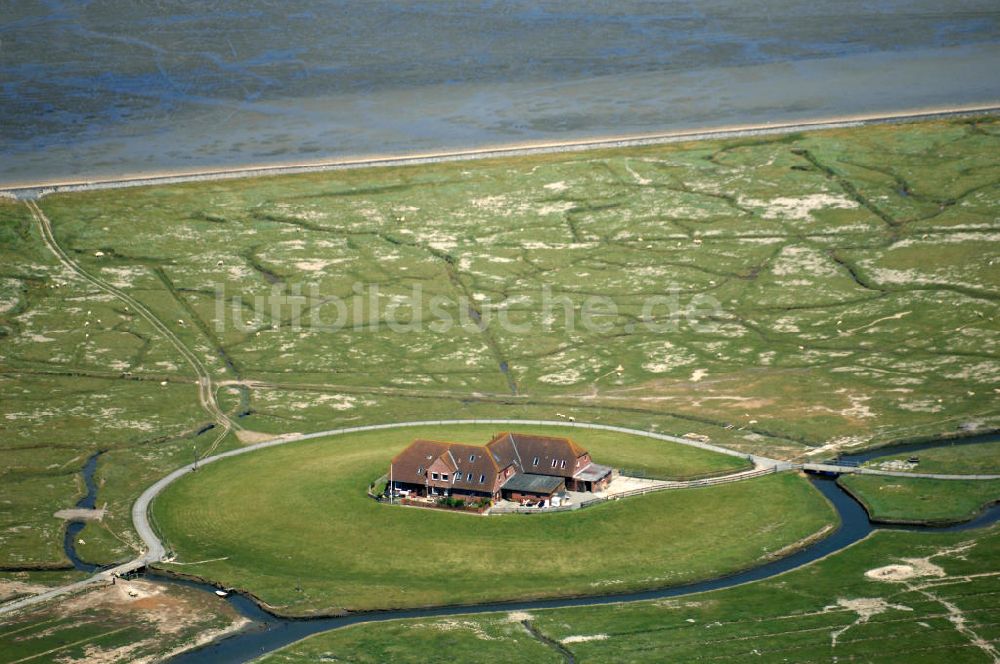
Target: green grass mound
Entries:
(293, 526)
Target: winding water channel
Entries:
(270, 632)
(89, 501)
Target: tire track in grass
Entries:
(227, 360)
(206, 391)
(206, 397)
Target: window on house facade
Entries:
(444, 476)
(434, 476)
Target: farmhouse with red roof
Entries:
(513, 466)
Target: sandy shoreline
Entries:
(41, 188)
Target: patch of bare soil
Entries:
(583, 638)
(169, 613)
(914, 568)
(865, 608)
(10, 589)
(248, 437)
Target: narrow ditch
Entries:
(555, 645)
(227, 359)
(492, 343)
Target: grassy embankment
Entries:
(921, 500)
(293, 526)
(944, 607)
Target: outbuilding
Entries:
(526, 486)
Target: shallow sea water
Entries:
(110, 87)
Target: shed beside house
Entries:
(526, 486)
(592, 477)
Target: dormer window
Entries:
(562, 464)
(554, 462)
(534, 462)
(420, 470)
(472, 458)
(482, 478)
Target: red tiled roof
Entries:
(470, 461)
(547, 449)
(556, 457)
